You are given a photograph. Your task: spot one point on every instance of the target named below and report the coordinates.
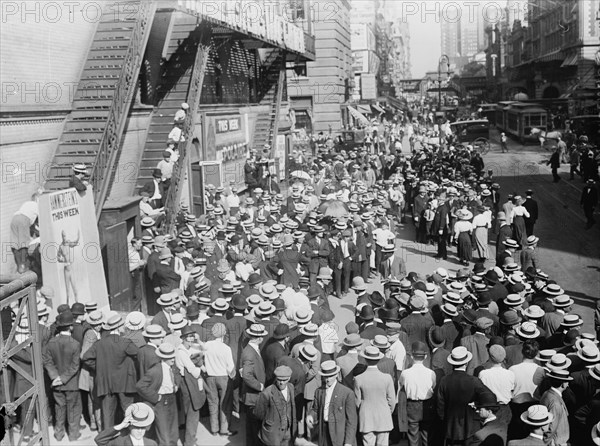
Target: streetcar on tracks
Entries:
(523, 121)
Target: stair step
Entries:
(72, 147)
(93, 65)
(70, 135)
(109, 56)
(87, 102)
(150, 163)
(83, 126)
(161, 128)
(98, 85)
(100, 77)
(115, 27)
(92, 116)
(56, 183)
(69, 159)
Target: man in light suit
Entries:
(334, 410)
(318, 250)
(538, 418)
(375, 399)
(392, 265)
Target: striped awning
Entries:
(570, 60)
(358, 115)
(378, 108)
(364, 109)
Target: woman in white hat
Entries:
(463, 229)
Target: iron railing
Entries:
(193, 99)
(20, 294)
(102, 170)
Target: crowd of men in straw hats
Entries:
(241, 330)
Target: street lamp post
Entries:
(443, 59)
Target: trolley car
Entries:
(519, 119)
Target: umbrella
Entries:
(300, 174)
(334, 208)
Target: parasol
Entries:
(334, 208)
(300, 174)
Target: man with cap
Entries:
(61, 362)
(493, 430)
(220, 370)
(375, 399)
(334, 410)
(500, 381)
(131, 431)
(477, 343)
(188, 359)
(113, 359)
(253, 378)
(276, 411)
(417, 384)
(454, 394)
(558, 432)
(159, 387)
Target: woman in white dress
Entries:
(481, 223)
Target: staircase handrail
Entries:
(193, 100)
(110, 141)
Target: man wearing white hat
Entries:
(181, 113)
(158, 387)
(538, 419)
(558, 432)
(138, 419)
(334, 410)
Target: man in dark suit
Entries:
(113, 359)
(589, 201)
(146, 357)
(289, 258)
(532, 207)
(359, 259)
(165, 278)
(167, 303)
(276, 410)
(61, 361)
(158, 387)
(253, 379)
(334, 410)
(369, 329)
(274, 350)
(348, 250)
(454, 394)
(439, 227)
(493, 431)
(419, 205)
(155, 189)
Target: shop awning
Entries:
(570, 60)
(358, 115)
(364, 109)
(377, 108)
(549, 57)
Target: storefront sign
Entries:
(228, 125)
(70, 249)
(368, 86)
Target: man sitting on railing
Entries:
(155, 189)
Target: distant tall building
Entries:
(462, 39)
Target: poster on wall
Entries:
(226, 141)
(70, 248)
(280, 155)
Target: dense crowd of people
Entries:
(242, 327)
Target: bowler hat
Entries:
(65, 319)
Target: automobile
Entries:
(475, 132)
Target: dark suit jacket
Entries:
(165, 278)
(397, 270)
(271, 355)
(147, 358)
(298, 378)
(236, 327)
(112, 437)
(321, 259)
(416, 325)
(371, 331)
(61, 358)
(454, 394)
(160, 319)
(149, 385)
(360, 253)
(491, 434)
(269, 409)
(342, 419)
(113, 358)
(528, 441)
(288, 262)
(532, 207)
(253, 375)
(451, 335)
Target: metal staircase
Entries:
(267, 124)
(93, 132)
(181, 81)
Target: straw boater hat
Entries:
(135, 320)
(79, 168)
(459, 356)
(329, 368)
(165, 351)
(154, 331)
(537, 415)
(140, 414)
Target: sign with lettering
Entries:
(228, 125)
(70, 248)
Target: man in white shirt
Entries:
(500, 381)
(418, 382)
(20, 232)
(397, 351)
(220, 369)
(181, 114)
